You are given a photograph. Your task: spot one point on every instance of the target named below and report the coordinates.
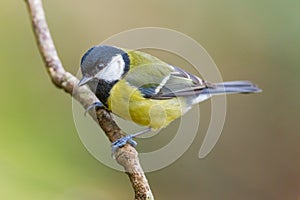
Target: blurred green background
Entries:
(258, 154)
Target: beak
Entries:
(84, 80)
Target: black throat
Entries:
(102, 90)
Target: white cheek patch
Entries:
(114, 69)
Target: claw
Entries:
(122, 141)
(126, 139)
(93, 106)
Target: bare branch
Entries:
(126, 156)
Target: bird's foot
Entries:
(121, 142)
(93, 106)
(126, 139)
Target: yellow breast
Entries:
(128, 103)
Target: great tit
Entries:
(141, 88)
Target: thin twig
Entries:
(126, 156)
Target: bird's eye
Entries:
(100, 66)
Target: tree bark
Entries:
(126, 156)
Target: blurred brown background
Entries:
(258, 154)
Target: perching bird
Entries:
(141, 88)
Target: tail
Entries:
(231, 87)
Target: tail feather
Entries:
(231, 87)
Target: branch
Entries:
(126, 156)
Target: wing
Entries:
(180, 83)
(158, 80)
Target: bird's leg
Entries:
(127, 139)
(93, 106)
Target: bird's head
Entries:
(105, 63)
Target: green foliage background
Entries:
(258, 154)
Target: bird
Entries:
(142, 88)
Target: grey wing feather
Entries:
(183, 83)
(162, 81)
(177, 83)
